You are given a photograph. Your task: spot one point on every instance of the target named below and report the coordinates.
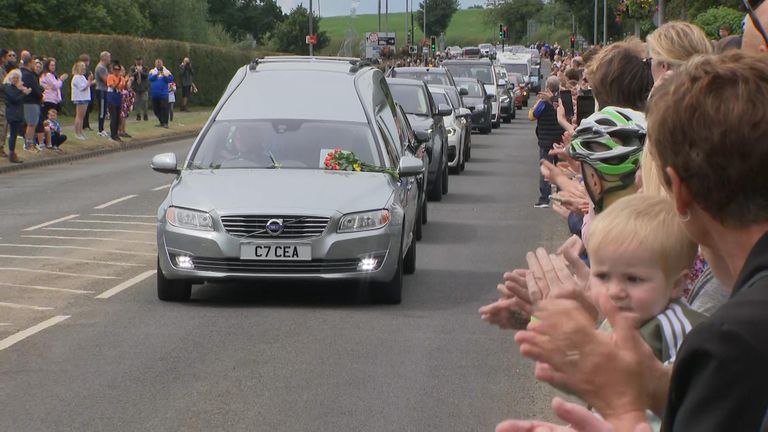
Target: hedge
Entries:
(214, 66)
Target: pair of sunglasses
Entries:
(749, 6)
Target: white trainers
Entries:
(104, 134)
(81, 137)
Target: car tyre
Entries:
(436, 192)
(445, 180)
(495, 125)
(486, 130)
(513, 116)
(390, 292)
(170, 289)
(418, 231)
(468, 154)
(424, 212)
(409, 261)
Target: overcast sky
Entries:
(342, 7)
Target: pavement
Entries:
(86, 346)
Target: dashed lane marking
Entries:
(101, 230)
(89, 239)
(86, 261)
(125, 285)
(76, 248)
(115, 201)
(113, 222)
(45, 288)
(122, 215)
(159, 188)
(24, 306)
(26, 270)
(20, 336)
(55, 221)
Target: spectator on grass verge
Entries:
(100, 90)
(81, 96)
(15, 91)
(140, 88)
(51, 85)
(40, 129)
(725, 211)
(32, 99)
(54, 137)
(171, 99)
(186, 74)
(86, 60)
(160, 77)
(114, 101)
(126, 102)
(4, 59)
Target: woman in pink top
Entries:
(51, 85)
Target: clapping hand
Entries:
(513, 309)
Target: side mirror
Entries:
(463, 112)
(444, 110)
(165, 163)
(490, 97)
(421, 136)
(471, 108)
(502, 82)
(463, 92)
(410, 166)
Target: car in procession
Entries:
(276, 190)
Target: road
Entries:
(86, 346)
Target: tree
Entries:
(439, 14)
(515, 14)
(712, 19)
(243, 18)
(290, 34)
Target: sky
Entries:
(342, 7)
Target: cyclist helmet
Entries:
(610, 141)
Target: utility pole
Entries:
(425, 29)
(405, 35)
(386, 16)
(605, 22)
(311, 45)
(594, 38)
(661, 12)
(378, 15)
(413, 25)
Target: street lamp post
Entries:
(311, 46)
(605, 22)
(594, 38)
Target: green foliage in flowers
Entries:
(711, 20)
(344, 160)
(636, 9)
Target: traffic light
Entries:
(506, 32)
(433, 43)
(573, 42)
(501, 31)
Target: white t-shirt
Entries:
(80, 89)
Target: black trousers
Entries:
(15, 129)
(57, 139)
(160, 107)
(101, 98)
(114, 120)
(86, 119)
(545, 189)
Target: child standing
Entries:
(171, 99)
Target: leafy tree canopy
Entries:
(439, 14)
(290, 34)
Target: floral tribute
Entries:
(344, 160)
(635, 9)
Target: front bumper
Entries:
(215, 255)
(454, 143)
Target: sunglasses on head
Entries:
(749, 6)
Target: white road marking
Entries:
(159, 188)
(113, 222)
(87, 261)
(125, 285)
(77, 248)
(5, 324)
(45, 288)
(122, 215)
(101, 230)
(88, 238)
(115, 201)
(55, 221)
(23, 306)
(20, 269)
(20, 336)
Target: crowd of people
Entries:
(32, 98)
(653, 311)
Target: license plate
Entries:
(275, 252)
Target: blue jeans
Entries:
(545, 189)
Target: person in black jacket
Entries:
(548, 132)
(140, 86)
(15, 92)
(186, 73)
(32, 99)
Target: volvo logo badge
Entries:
(275, 227)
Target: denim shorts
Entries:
(31, 114)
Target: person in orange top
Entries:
(115, 85)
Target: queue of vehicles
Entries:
(261, 195)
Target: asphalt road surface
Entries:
(86, 346)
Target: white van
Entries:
(516, 63)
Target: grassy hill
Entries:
(468, 27)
